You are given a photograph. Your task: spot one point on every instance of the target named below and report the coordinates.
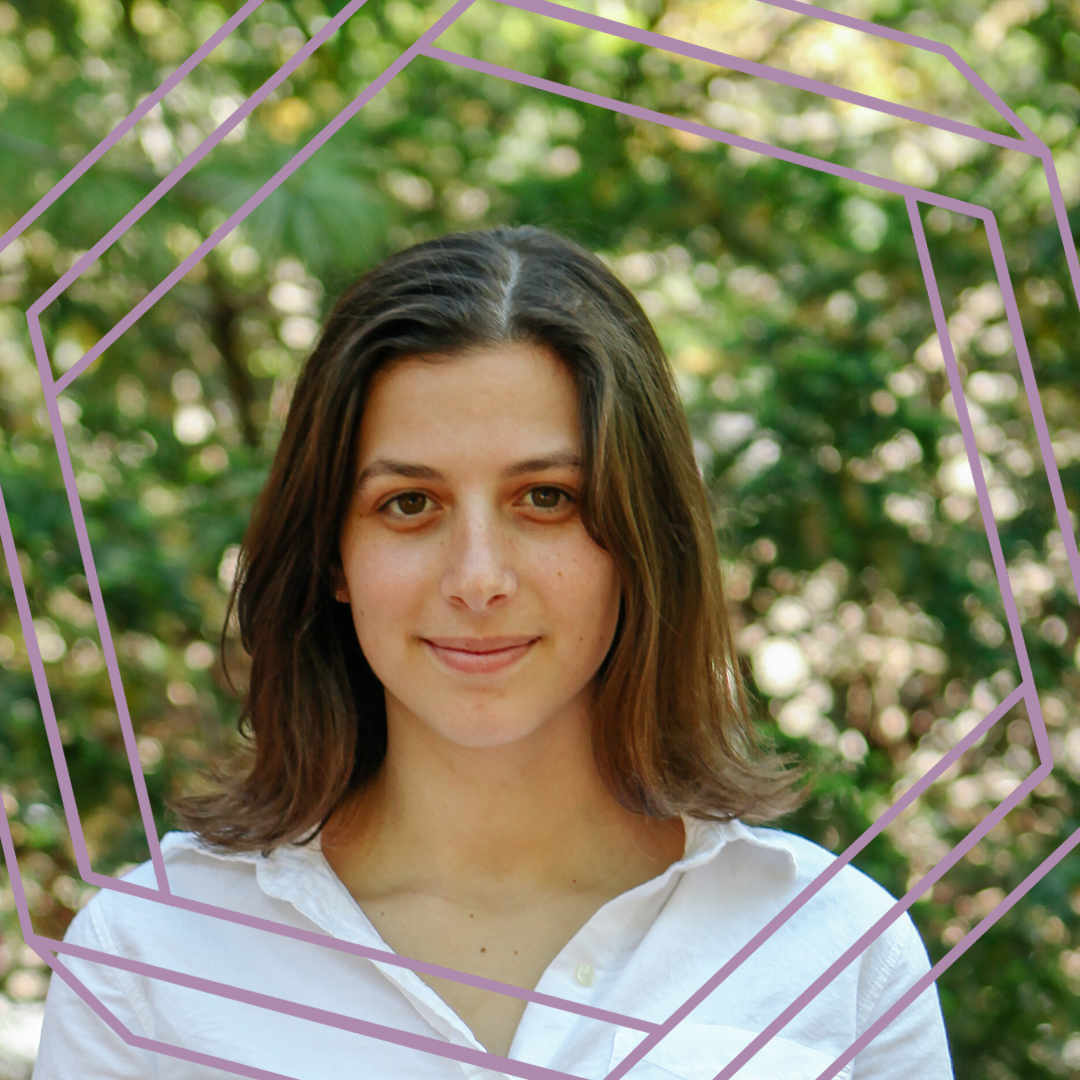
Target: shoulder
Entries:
(847, 885)
(191, 864)
(847, 904)
(130, 919)
(136, 905)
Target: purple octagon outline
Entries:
(1026, 691)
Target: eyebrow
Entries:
(561, 459)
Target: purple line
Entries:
(947, 51)
(765, 71)
(825, 15)
(107, 647)
(952, 956)
(1005, 284)
(1064, 228)
(42, 946)
(7, 845)
(1038, 417)
(968, 433)
(267, 189)
(1053, 477)
(1027, 686)
(128, 123)
(381, 956)
(143, 1043)
(52, 388)
(693, 127)
(384, 1033)
(875, 931)
(62, 773)
(41, 684)
(980, 215)
(1026, 689)
(192, 159)
(56, 749)
(1035, 713)
(815, 886)
(604, 25)
(559, 1003)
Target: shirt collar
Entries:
(301, 876)
(705, 840)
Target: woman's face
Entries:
(480, 601)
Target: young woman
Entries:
(497, 727)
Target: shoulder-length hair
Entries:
(672, 731)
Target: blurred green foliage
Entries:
(791, 302)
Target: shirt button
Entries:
(584, 974)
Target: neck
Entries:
(456, 819)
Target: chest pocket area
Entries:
(700, 1051)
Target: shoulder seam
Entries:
(904, 926)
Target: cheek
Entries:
(387, 582)
(584, 592)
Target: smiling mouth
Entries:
(480, 655)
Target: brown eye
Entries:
(411, 503)
(547, 498)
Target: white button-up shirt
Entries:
(641, 955)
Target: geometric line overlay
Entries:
(1026, 692)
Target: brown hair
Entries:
(672, 731)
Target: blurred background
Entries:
(794, 310)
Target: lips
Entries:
(480, 655)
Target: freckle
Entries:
(515, 952)
(470, 915)
(483, 948)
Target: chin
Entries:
(484, 732)
(480, 737)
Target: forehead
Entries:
(502, 398)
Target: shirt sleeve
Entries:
(914, 1043)
(75, 1041)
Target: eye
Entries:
(409, 503)
(547, 498)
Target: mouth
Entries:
(480, 655)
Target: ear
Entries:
(339, 586)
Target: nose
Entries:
(478, 576)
